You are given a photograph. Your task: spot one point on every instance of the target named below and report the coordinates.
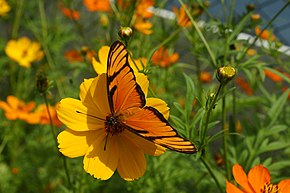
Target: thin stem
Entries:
(45, 46)
(268, 24)
(225, 137)
(55, 142)
(207, 116)
(199, 33)
(17, 19)
(210, 170)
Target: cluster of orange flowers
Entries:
(163, 58)
(16, 109)
(85, 54)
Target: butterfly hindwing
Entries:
(123, 91)
(151, 125)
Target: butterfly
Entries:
(127, 106)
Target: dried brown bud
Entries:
(251, 7)
(42, 83)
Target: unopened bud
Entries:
(226, 73)
(125, 32)
(251, 7)
(42, 83)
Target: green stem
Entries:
(18, 17)
(45, 46)
(268, 24)
(210, 170)
(55, 142)
(199, 33)
(208, 112)
(225, 138)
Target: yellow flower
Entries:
(86, 134)
(24, 51)
(4, 8)
(257, 181)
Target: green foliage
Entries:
(245, 121)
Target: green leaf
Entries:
(277, 108)
(277, 145)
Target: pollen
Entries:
(270, 188)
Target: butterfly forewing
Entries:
(150, 124)
(123, 91)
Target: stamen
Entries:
(270, 188)
(90, 115)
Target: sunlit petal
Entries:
(284, 186)
(143, 82)
(78, 117)
(160, 105)
(258, 176)
(100, 162)
(241, 178)
(230, 188)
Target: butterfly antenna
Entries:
(105, 146)
(90, 115)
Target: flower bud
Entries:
(251, 7)
(42, 83)
(226, 73)
(125, 32)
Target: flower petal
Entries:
(101, 67)
(241, 178)
(284, 186)
(258, 176)
(84, 88)
(143, 82)
(132, 164)
(100, 162)
(74, 144)
(77, 117)
(98, 67)
(160, 105)
(99, 96)
(147, 146)
(230, 188)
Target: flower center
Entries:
(270, 188)
(112, 125)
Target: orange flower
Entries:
(73, 56)
(272, 76)
(97, 5)
(205, 77)
(244, 85)
(257, 181)
(15, 108)
(142, 9)
(143, 26)
(43, 117)
(182, 18)
(162, 58)
(70, 13)
(266, 34)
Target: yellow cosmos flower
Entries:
(257, 181)
(24, 51)
(4, 8)
(86, 134)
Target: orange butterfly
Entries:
(127, 105)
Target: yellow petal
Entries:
(74, 143)
(160, 105)
(132, 163)
(98, 67)
(102, 163)
(99, 96)
(101, 67)
(143, 82)
(84, 88)
(78, 117)
(147, 146)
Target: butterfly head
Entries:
(112, 124)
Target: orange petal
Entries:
(258, 176)
(284, 186)
(132, 163)
(241, 178)
(100, 162)
(230, 188)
